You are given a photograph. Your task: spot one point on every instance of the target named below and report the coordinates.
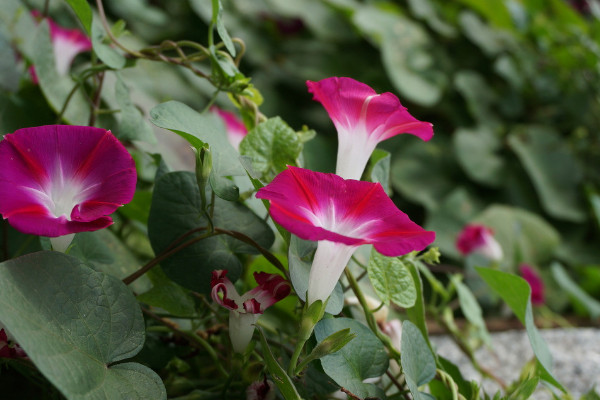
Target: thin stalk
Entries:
(192, 337)
(112, 37)
(155, 261)
(394, 353)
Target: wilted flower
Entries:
(8, 347)
(67, 43)
(479, 239)
(236, 130)
(245, 309)
(58, 180)
(261, 390)
(363, 118)
(535, 282)
(342, 215)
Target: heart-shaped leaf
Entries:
(75, 323)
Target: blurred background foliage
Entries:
(511, 86)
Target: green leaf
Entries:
(405, 53)
(476, 152)
(515, 291)
(84, 13)
(364, 357)
(568, 285)
(133, 125)
(470, 308)
(103, 251)
(417, 360)
(525, 389)
(496, 11)
(75, 324)
(380, 169)
(57, 88)
(523, 236)
(424, 172)
(332, 343)
(105, 52)
(9, 77)
(299, 265)
(273, 145)
(199, 129)
(391, 280)
(138, 208)
(177, 209)
(485, 37)
(223, 31)
(416, 313)
(553, 168)
(167, 295)
(281, 379)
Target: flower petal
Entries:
(63, 179)
(480, 239)
(319, 206)
(363, 118)
(271, 288)
(223, 292)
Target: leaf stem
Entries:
(387, 342)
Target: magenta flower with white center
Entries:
(246, 309)
(479, 239)
(58, 180)
(341, 215)
(535, 283)
(363, 118)
(236, 130)
(67, 44)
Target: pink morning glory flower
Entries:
(479, 239)
(535, 282)
(67, 44)
(8, 347)
(246, 309)
(341, 215)
(236, 130)
(363, 118)
(58, 180)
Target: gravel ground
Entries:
(576, 354)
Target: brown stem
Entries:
(96, 99)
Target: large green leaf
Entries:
(364, 357)
(476, 152)
(515, 291)
(77, 326)
(391, 280)
(176, 209)
(105, 52)
(167, 295)
(133, 125)
(273, 145)
(568, 285)
(84, 13)
(471, 308)
(57, 88)
(9, 74)
(524, 236)
(417, 360)
(423, 172)
(199, 129)
(405, 53)
(553, 168)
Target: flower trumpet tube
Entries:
(341, 215)
(479, 239)
(246, 309)
(58, 180)
(362, 119)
